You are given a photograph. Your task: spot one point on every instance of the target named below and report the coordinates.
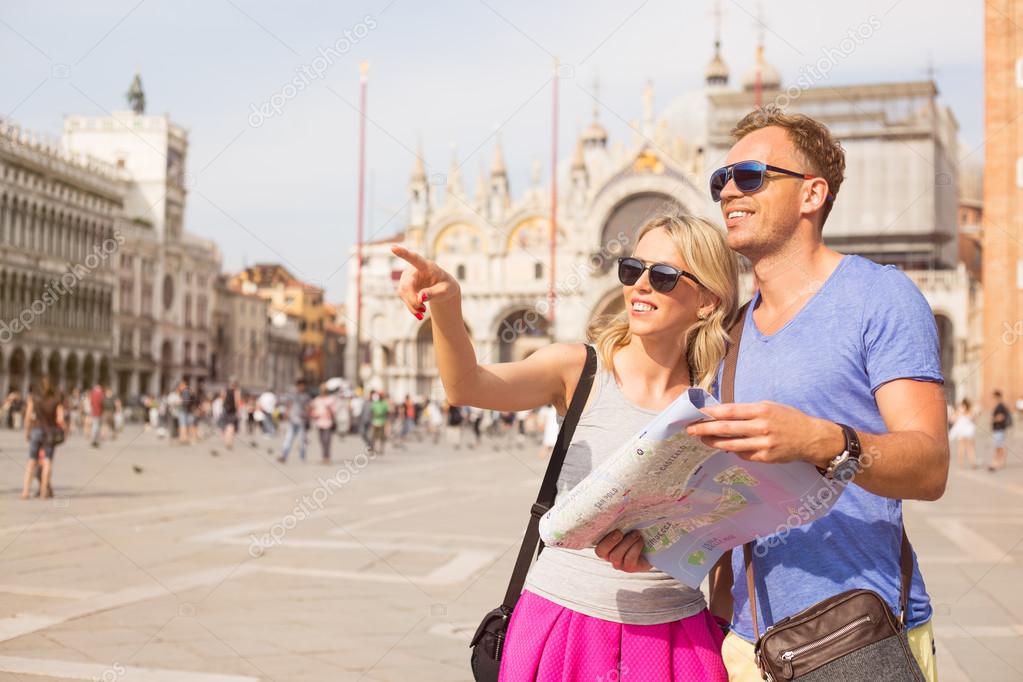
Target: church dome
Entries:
(687, 116)
(770, 79)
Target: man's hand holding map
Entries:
(691, 503)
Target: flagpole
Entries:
(551, 294)
(363, 69)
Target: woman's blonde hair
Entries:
(701, 244)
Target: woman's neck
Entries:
(655, 365)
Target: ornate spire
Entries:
(717, 70)
(498, 169)
(648, 110)
(500, 192)
(454, 186)
(578, 160)
(418, 167)
(135, 96)
(480, 194)
(595, 135)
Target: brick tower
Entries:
(1003, 199)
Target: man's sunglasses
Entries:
(749, 177)
(663, 278)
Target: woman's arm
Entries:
(538, 380)
(30, 413)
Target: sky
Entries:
(280, 184)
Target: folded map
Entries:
(690, 502)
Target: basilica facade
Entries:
(899, 205)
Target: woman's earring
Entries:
(701, 315)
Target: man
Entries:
(829, 340)
(380, 409)
(265, 406)
(185, 416)
(96, 399)
(297, 403)
(1000, 421)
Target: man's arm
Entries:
(908, 462)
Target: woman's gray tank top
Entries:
(577, 578)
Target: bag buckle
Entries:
(538, 509)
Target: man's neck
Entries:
(790, 277)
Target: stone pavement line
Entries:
(392, 498)
(49, 592)
(990, 480)
(188, 505)
(975, 548)
(462, 566)
(206, 502)
(954, 631)
(27, 623)
(68, 670)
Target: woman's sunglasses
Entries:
(663, 278)
(749, 177)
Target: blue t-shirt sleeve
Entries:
(900, 338)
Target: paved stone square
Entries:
(166, 562)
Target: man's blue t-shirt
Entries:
(867, 325)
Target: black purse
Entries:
(488, 642)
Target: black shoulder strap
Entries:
(548, 489)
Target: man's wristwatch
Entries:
(847, 463)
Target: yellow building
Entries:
(292, 296)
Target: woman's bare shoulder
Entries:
(568, 359)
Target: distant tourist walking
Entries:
(231, 402)
(321, 411)
(408, 424)
(454, 428)
(434, 417)
(185, 415)
(297, 404)
(549, 418)
(96, 396)
(379, 409)
(1001, 420)
(44, 424)
(962, 434)
(265, 406)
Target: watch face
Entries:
(847, 469)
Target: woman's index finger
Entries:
(410, 257)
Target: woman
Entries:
(44, 415)
(454, 427)
(551, 426)
(230, 403)
(962, 433)
(599, 612)
(321, 412)
(434, 420)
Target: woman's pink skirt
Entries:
(547, 641)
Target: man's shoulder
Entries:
(880, 287)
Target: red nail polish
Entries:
(424, 298)
(418, 316)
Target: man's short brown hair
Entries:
(822, 153)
